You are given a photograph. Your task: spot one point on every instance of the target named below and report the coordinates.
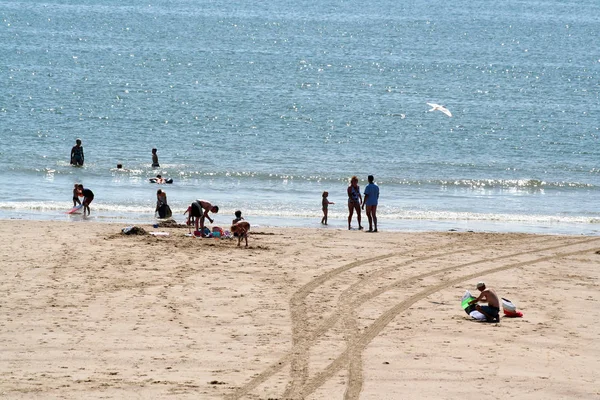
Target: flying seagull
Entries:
(437, 107)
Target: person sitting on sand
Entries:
(492, 310)
(199, 210)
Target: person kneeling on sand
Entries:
(199, 210)
(492, 310)
(240, 229)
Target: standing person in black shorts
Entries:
(88, 197)
(199, 210)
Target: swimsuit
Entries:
(77, 158)
(354, 195)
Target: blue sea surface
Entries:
(262, 106)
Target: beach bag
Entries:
(508, 305)
(217, 232)
(470, 308)
(510, 310)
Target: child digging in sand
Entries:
(325, 204)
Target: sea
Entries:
(261, 106)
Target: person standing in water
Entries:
(155, 163)
(77, 156)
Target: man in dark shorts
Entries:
(492, 310)
(88, 197)
(199, 210)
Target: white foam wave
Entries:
(288, 213)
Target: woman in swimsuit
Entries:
(354, 201)
(77, 156)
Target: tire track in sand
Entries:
(297, 302)
(346, 305)
(380, 323)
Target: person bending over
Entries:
(88, 197)
(199, 210)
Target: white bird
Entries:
(437, 107)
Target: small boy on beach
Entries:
(155, 163)
(238, 217)
(88, 197)
(76, 195)
(325, 203)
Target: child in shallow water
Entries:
(76, 195)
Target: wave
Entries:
(187, 174)
(119, 211)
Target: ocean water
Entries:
(261, 106)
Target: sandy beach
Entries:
(89, 313)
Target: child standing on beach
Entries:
(76, 195)
(155, 163)
(325, 203)
(238, 217)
